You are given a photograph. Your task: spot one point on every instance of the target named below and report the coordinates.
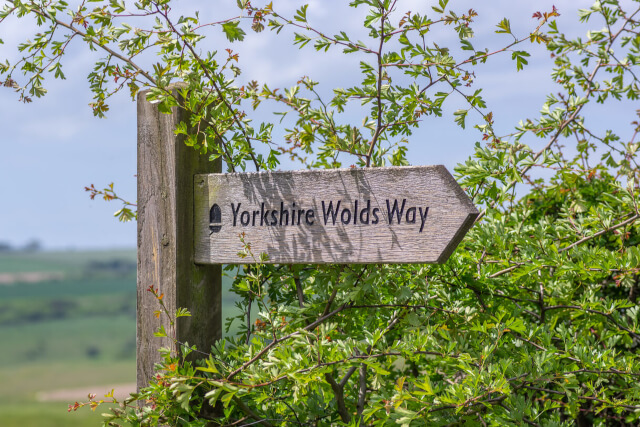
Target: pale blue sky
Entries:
(52, 148)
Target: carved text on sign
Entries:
(333, 212)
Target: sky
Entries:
(52, 148)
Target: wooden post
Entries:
(166, 169)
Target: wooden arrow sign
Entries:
(342, 216)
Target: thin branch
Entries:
(552, 141)
(606, 371)
(295, 414)
(46, 15)
(332, 40)
(296, 279)
(250, 412)
(327, 307)
(506, 270)
(601, 313)
(591, 398)
(379, 129)
(347, 376)
(601, 232)
(571, 246)
(362, 390)
(275, 342)
(248, 316)
(215, 85)
(411, 307)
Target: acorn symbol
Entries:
(215, 219)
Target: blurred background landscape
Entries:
(67, 328)
(67, 322)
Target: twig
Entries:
(285, 338)
(601, 313)
(362, 391)
(327, 307)
(250, 412)
(600, 233)
(595, 399)
(296, 280)
(215, 85)
(378, 130)
(347, 376)
(46, 15)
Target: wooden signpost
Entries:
(166, 167)
(345, 216)
(190, 218)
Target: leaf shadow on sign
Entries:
(324, 241)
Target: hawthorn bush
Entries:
(533, 320)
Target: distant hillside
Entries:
(69, 263)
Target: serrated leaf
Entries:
(519, 56)
(233, 31)
(301, 14)
(210, 369)
(504, 26)
(460, 116)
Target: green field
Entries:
(22, 386)
(71, 262)
(74, 331)
(45, 414)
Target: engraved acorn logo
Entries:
(215, 219)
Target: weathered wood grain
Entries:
(166, 167)
(435, 217)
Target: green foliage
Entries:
(233, 31)
(534, 319)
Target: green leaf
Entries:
(233, 31)
(504, 26)
(226, 399)
(519, 56)
(460, 116)
(213, 396)
(124, 215)
(301, 39)
(182, 312)
(442, 4)
(301, 14)
(210, 369)
(466, 45)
